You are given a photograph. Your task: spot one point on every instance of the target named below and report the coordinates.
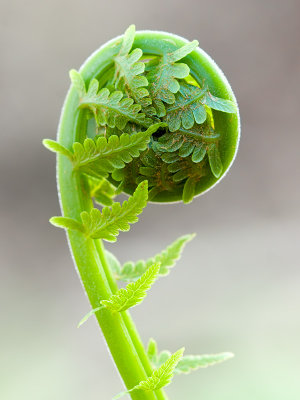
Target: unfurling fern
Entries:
(153, 94)
(149, 115)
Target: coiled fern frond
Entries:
(186, 153)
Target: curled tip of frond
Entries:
(157, 93)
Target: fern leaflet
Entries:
(191, 363)
(129, 70)
(163, 77)
(107, 224)
(156, 172)
(190, 107)
(187, 364)
(187, 109)
(109, 108)
(186, 141)
(196, 142)
(100, 157)
(134, 292)
(219, 104)
(167, 258)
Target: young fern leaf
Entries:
(134, 292)
(155, 171)
(163, 375)
(187, 364)
(129, 70)
(132, 295)
(100, 157)
(163, 77)
(190, 107)
(167, 258)
(107, 224)
(108, 108)
(186, 141)
(191, 363)
(195, 142)
(187, 109)
(160, 378)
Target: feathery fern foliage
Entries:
(112, 109)
(130, 272)
(108, 223)
(163, 77)
(186, 364)
(102, 156)
(129, 71)
(134, 292)
(190, 107)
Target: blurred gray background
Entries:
(237, 286)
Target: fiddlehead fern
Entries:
(151, 115)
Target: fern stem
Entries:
(128, 321)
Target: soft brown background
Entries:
(237, 286)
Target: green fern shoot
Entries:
(151, 116)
